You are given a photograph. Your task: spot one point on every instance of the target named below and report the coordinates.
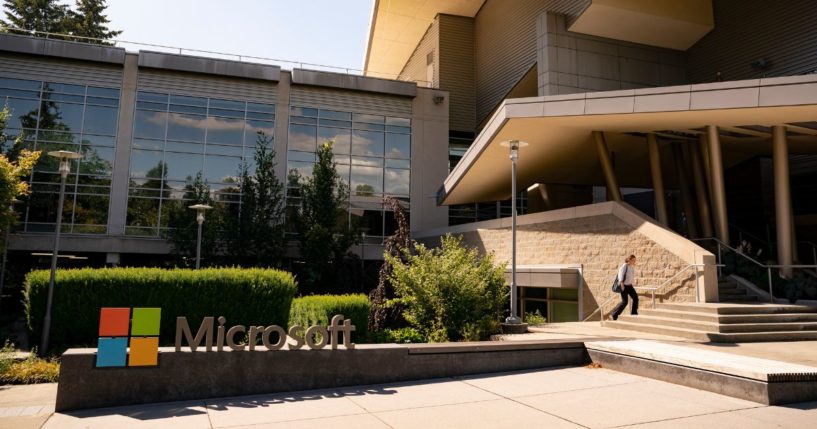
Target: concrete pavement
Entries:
(26, 407)
(557, 398)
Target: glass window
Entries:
(151, 106)
(79, 99)
(226, 104)
(61, 116)
(152, 97)
(368, 217)
(343, 173)
(341, 137)
(24, 113)
(371, 127)
(226, 131)
(333, 123)
(100, 120)
(224, 150)
(94, 91)
(398, 163)
(302, 137)
(186, 127)
(99, 140)
(90, 210)
(364, 160)
(367, 143)
(96, 160)
(221, 169)
(226, 113)
(184, 147)
(366, 180)
(18, 93)
(177, 108)
(340, 116)
(254, 126)
(181, 166)
(402, 130)
(372, 119)
(146, 163)
(30, 85)
(398, 146)
(397, 181)
(261, 115)
(261, 107)
(400, 122)
(303, 111)
(102, 101)
(149, 124)
(302, 168)
(65, 88)
(302, 120)
(188, 101)
(148, 144)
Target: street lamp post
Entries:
(6, 247)
(65, 158)
(200, 209)
(513, 319)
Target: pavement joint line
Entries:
(696, 415)
(529, 406)
(289, 421)
(209, 417)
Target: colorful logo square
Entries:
(144, 351)
(146, 322)
(117, 328)
(112, 352)
(114, 322)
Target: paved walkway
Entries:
(557, 398)
(26, 407)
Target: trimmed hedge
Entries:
(319, 309)
(244, 296)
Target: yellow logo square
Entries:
(144, 351)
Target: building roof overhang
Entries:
(559, 131)
(397, 26)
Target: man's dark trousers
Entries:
(626, 290)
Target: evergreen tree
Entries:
(258, 232)
(183, 227)
(36, 15)
(323, 231)
(90, 21)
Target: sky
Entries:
(330, 32)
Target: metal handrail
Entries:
(240, 58)
(652, 290)
(768, 267)
(771, 244)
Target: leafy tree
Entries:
(90, 21)
(183, 227)
(449, 293)
(12, 172)
(258, 228)
(324, 236)
(37, 15)
(397, 246)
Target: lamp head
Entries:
(65, 158)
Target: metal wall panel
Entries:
(456, 70)
(415, 68)
(351, 101)
(206, 85)
(64, 71)
(505, 44)
(782, 33)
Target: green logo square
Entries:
(146, 321)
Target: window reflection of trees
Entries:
(58, 116)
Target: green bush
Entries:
(399, 336)
(243, 296)
(450, 293)
(319, 309)
(30, 370)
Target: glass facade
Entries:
(372, 153)
(175, 137)
(52, 116)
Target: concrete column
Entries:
(683, 185)
(782, 198)
(118, 206)
(718, 186)
(657, 180)
(701, 191)
(282, 127)
(607, 166)
(706, 165)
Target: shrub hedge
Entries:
(244, 296)
(319, 309)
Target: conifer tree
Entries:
(36, 15)
(89, 20)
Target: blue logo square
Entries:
(112, 352)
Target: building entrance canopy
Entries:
(559, 130)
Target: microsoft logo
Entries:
(116, 327)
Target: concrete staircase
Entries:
(729, 291)
(724, 322)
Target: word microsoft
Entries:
(329, 335)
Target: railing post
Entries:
(814, 253)
(653, 299)
(697, 284)
(720, 261)
(771, 295)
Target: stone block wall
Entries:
(599, 243)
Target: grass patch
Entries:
(31, 370)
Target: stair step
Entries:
(728, 319)
(671, 322)
(756, 337)
(723, 293)
(767, 327)
(739, 298)
(660, 330)
(683, 315)
(738, 308)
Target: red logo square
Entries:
(114, 322)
